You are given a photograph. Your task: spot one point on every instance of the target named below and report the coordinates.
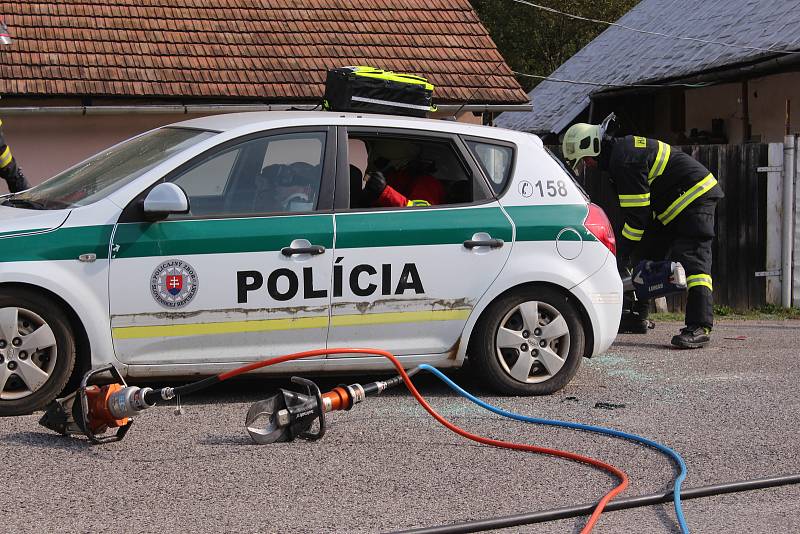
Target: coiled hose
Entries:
(674, 456)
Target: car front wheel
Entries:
(529, 342)
(37, 351)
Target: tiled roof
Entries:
(266, 50)
(620, 56)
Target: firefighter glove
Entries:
(374, 186)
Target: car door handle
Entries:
(313, 250)
(491, 243)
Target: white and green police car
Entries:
(196, 247)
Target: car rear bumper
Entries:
(601, 296)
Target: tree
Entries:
(535, 41)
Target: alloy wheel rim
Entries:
(532, 342)
(28, 353)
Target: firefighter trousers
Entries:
(687, 240)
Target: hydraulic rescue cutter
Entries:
(104, 413)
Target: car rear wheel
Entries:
(37, 351)
(529, 342)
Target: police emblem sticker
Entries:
(173, 284)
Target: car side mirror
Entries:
(164, 200)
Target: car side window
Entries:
(411, 172)
(210, 178)
(276, 174)
(495, 160)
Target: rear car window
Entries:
(569, 172)
(418, 168)
(496, 161)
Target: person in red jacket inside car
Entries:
(402, 189)
(398, 185)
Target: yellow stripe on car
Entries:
(634, 234)
(699, 280)
(634, 201)
(300, 323)
(695, 192)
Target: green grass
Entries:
(767, 312)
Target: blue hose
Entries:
(578, 426)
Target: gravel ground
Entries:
(731, 410)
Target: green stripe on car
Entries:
(419, 227)
(221, 236)
(411, 227)
(543, 223)
(60, 244)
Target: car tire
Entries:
(37, 351)
(528, 342)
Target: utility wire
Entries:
(495, 72)
(618, 85)
(638, 30)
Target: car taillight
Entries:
(598, 224)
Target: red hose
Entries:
(474, 437)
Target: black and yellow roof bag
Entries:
(371, 90)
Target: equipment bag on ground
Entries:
(371, 90)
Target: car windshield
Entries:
(104, 173)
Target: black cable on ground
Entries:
(618, 504)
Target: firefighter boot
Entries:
(692, 337)
(634, 316)
(633, 323)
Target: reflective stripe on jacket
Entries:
(9, 170)
(655, 181)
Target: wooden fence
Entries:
(740, 245)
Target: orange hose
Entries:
(474, 437)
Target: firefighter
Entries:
(9, 170)
(667, 200)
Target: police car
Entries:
(199, 246)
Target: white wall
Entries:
(715, 102)
(47, 144)
(767, 103)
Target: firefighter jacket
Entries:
(655, 183)
(9, 170)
